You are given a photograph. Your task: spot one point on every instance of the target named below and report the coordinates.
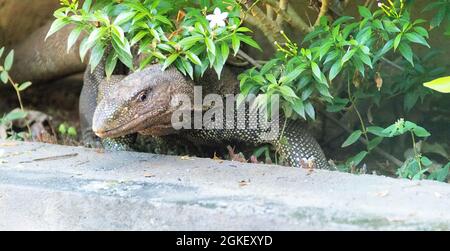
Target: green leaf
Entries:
(87, 5)
(24, 86)
(416, 38)
(123, 50)
(425, 161)
(352, 138)
(72, 132)
(357, 158)
(397, 41)
(316, 70)
(248, 40)
(73, 37)
(155, 34)
(335, 69)
(421, 132)
(166, 47)
(218, 64)
(287, 91)
(4, 77)
(9, 60)
(83, 49)
(390, 26)
(309, 108)
(225, 51)
(95, 35)
(299, 108)
(210, 46)
(389, 44)
(438, 18)
(111, 62)
(235, 44)
(2, 49)
(440, 174)
(169, 61)
(421, 31)
(96, 56)
(348, 55)
(364, 12)
(365, 59)
(188, 42)
(374, 143)
(291, 76)
(243, 29)
(271, 79)
(15, 115)
(189, 69)
(123, 18)
(138, 37)
(406, 52)
(57, 25)
(376, 130)
(62, 129)
(194, 58)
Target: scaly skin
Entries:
(143, 103)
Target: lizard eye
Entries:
(143, 96)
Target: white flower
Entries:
(217, 19)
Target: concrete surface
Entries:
(48, 187)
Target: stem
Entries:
(16, 89)
(416, 156)
(353, 101)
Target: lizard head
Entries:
(141, 102)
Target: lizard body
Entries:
(143, 103)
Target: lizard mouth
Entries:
(133, 126)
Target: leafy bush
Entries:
(339, 65)
(186, 39)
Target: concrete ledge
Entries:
(49, 187)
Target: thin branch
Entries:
(249, 59)
(290, 16)
(392, 64)
(323, 11)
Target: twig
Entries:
(392, 64)
(249, 59)
(58, 157)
